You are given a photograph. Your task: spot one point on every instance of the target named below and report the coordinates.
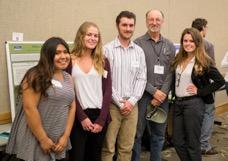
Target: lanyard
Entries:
(155, 51)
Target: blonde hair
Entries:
(79, 46)
(202, 60)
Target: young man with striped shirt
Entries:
(128, 68)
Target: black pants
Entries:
(56, 160)
(188, 116)
(86, 146)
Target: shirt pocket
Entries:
(134, 66)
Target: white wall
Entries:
(39, 20)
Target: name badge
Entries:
(158, 69)
(56, 83)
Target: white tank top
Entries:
(88, 87)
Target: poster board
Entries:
(20, 57)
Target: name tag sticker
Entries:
(158, 69)
(105, 74)
(56, 83)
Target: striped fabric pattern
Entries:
(53, 112)
(128, 69)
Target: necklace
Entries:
(181, 69)
(178, 78)
(179, 73)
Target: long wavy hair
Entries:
(97, 52)
(39, 77)
(202, 60)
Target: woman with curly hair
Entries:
(42, 125)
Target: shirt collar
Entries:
(147, 36)
(118, 44)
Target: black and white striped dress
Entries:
(53, 112)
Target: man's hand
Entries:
(159, 95)
(155, 102)
(127, 108)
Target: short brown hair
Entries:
(127, 14)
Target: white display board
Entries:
(20, 57)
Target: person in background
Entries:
(41, 128)
(201, 25)
(92, 78)
(159, 53)
(209, 114)
(193, 71)
(128, 68)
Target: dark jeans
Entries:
(86, 146)
(188, 115)
(156, 130)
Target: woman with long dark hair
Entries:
(42, 126)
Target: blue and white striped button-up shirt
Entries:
(128, 69)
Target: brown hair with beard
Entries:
(127, 14)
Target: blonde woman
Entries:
(91, 74)
(194, 71)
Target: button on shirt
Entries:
(159, 53)
(128, 69)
